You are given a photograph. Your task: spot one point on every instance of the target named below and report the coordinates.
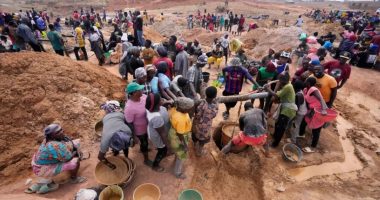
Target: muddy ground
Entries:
(345, 166)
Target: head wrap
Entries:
(270, 67)
(184, 103)
(140, 72)
(52, 129)
(202, 59)
(179, 46)
(150, 67)
(110, 106)
(352, 38)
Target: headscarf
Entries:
(150, 67)
(202, 59)
(111, 106)
(179, 46)
(270, 67)
(52, 129)
(352, 38)
(140, 72)
(184, 103)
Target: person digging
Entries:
(253, 131)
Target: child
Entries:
(205, 112)
(179, 132)
(301, 112)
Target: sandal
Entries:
(308, 150)
(181, 176)
(158, 169)
(78, 179)
(46, 188)
(33, 188)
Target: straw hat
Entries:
(108, 176)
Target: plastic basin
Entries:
(190, 194)
(147, 191)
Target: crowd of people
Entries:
(169, 102)
(359, 38)
(229, 21)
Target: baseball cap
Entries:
(133, 87)
(315, 62)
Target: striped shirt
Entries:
(234, 77)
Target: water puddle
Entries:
(351, 162)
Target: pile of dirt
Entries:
(285, 38)
(171, 25)
(204, 36)
(39, 89)
(153, 35)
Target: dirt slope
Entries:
(38, 89)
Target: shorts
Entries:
(229, 104)
(216, 60)
(241, 139)
(234, 28)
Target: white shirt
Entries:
(94, 37)
(224, 42)
(299, 22)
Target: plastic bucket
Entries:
(190, 194)
(147, 191)
(228, 132)
(112, 192)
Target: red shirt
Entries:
(169, 72)
(337, 70)
(241, 21)
(376, 40)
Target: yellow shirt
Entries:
(181, 122)
(79, 37)
(325, 84)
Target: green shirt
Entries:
(264, 75)
(55, 40)
(287, 95)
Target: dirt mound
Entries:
(170, 25)
(151, 34)
(204, 37)
(280, 38)
(40, 88)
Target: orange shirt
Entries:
(325, 84)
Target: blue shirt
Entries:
(164, 80)
(154, 85)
